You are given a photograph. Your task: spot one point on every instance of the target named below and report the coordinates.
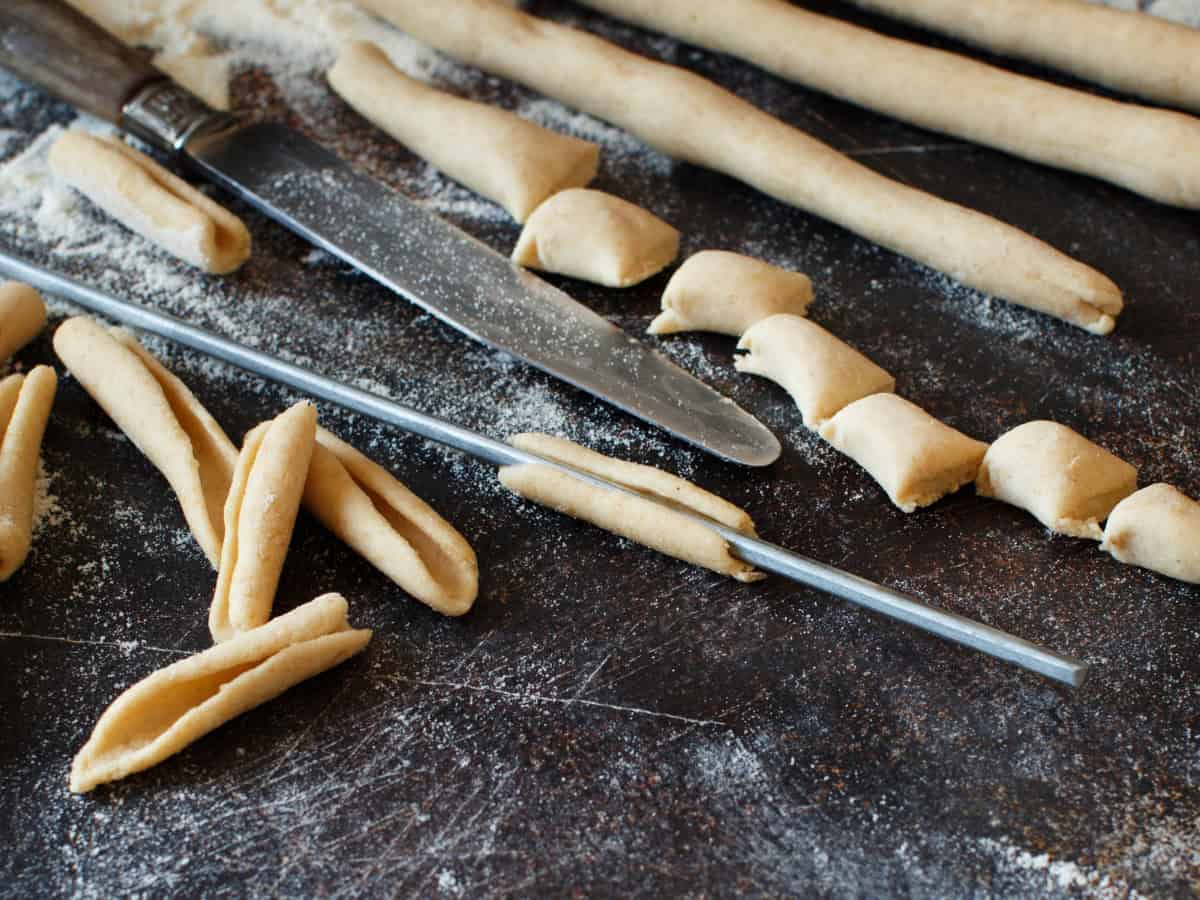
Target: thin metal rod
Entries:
(763, 554)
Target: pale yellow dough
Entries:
(22, 316)
(821, 373)
(260, 514)
(1157, 528)
(1151, 151)
(715, 290)
(25, 402)
(648, 522)
(1068, 483)
(493, 152)
(146, 198)
(1126, 50)
(690, 118)
(393, 528)
(166, 711)
(162, 418)
(596, 237)
(915, 458)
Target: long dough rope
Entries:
(1151, 151)
(1129, 51)
(692, 119)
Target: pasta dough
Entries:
(820, 372)
(493, 152)
(915, 458)
(1151, 151)
(596, 237)
(25, 402)
(166, 711)
(259, 517)
(716, 290)
(162, 418)
(22, 316)
(649, 522)
(1157, 528)
(1068, 483)
(393, 528)
(146, 198)
(690, 118)
(1125, 50)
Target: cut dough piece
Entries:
(166, 711)
(1068, 483)
(822, 373)
(22, 316)
(259, 517)
(596, 237)
(1150, 151)
(25, 402)
(915, 458)
(1159, 60)
(493, 152)
(692, 119)
(160, 416)
(1157, 528)
(394, 529)
(653, 523)
(715, 290)
(146, 198)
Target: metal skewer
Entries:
(763, 554)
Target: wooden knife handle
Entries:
(51, 45)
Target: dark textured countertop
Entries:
(609, 721)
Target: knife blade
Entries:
(375, 229)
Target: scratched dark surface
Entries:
(609, 721)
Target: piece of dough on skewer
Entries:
(164, 712)
(1157, 528)
(1125, 50)
(1151, 151)
(1067, 482)
(690, 118)
(260, 514)
(25, 402)
(390, 526)
(715, 290)
(162, 418)
(22, 316)
(822, 373)
(596, 237)
(494, 152)
(653, 523)
(146, 198)
(915, 458)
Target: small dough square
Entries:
(914, 457)
(1068, 483)
(1157, 528)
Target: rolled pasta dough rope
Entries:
(22, 316)
(25, 402)
(690, 118)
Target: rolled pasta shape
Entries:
(596, 237)
(715, 290)
(25, 402)
(22, 316)
(1067, 482)
(494, 152)
(146, 198)
(822, 373)
(390, 526)
(1157, 528)
(168, 710)
(260, 514)
(160, 415)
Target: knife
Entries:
(376, 230)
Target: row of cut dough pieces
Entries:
(1067, 482)
(536, 174)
